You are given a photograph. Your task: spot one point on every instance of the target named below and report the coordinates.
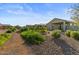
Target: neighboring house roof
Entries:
(57, 20)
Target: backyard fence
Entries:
(72, 27)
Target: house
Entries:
(60, 24)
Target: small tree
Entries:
(75, 13)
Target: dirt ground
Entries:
(2, 31)
(15, 46)
(61, 46)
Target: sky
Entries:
(33, 13)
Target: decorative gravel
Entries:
(61, 46)
(47, 48)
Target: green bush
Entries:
(75, 35)
(68, 33)
(11, 29)
(38, 28)
(24, 29)
(43, 32)
(4, 37)
(56, 33)
(32, 37)
(8, 31)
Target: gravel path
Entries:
(70, 45)
(67, 49)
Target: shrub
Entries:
(18, 27)
(24, 29)
(43, 32)
(75, 35)
(68, 33)
(11, 29)
(38, 28)
(32, 37)
(8, 31)
(56, 33)
(4, 37)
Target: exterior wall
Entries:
(49, 26)
(64, 26)
(55, 26)
(58, 26)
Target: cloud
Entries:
(22, 10)
(67, 10)
(30, 17)
(15, 8)
(16, 12)
(26, 15)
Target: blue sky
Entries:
(32, 13)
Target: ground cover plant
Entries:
(73, 34)
(11, 29)
(68, 32)
(38, 28)
(4, 37)
(32, 37)
(56, 34)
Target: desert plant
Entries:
(56, 33)
(8, 31)
(43, 32)
(24, 29)
(18, 27)
(38, 28)
(68, 32)
(4, 37)
(11, 29)
(32, 37)
(75, 35)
